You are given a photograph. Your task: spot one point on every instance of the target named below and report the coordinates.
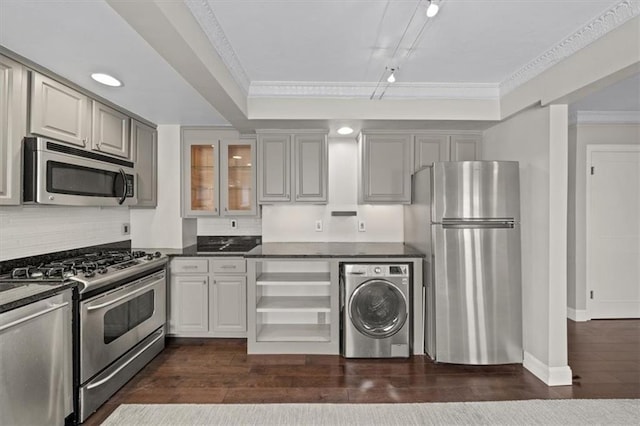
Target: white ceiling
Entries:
(308, 48)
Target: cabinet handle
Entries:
(189, 267)
(228, 267)
(205, 282)
(215, 209)
(225, 209)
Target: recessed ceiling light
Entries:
(433, 9)
(345, 130)
(106, 79)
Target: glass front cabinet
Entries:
(219, 176)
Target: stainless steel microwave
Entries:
(58, 174)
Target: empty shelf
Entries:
(294, 333)
(294, 278)
(294, 304)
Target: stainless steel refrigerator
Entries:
(465, 216)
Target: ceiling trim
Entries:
(211, 27)
(609, 20)
(292, 89)
(605, 117)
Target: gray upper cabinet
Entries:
(445, 146)
(238, 177)
(430, 148)
(385, 168)
(58, 112)
(110, 131)
(310, 166)
(293, 167)
(465, 147)
(274, 168)
(13, 126)
(144, 147)
(218, 173)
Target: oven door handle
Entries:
(129, 361)
(124, 296)
(124, 187)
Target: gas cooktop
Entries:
(91, 269)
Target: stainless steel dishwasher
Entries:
(36, 362)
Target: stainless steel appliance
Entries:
(55, 173)
(121, 316)
(36, 363)
(375, 310)
(465, 216)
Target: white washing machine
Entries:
(375, 315)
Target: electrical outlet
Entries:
(234, 223)
(361, 226)
(126, 229)
(318, 226)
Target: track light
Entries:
(392, 76)
(432, 9)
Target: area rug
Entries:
(531, 412)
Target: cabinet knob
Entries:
(225, 209)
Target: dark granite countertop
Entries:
(15, 295)
(382, 250)
(190, 251)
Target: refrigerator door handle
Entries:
(479, 225)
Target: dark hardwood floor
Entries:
(604, 356)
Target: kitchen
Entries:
(165, 227)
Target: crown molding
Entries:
(293, 89)
(609, 20)
(201, 10)
(605, 117)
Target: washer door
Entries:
(378, 309)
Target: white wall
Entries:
(163, 227)
(34, 229)
(537, 138)
(297, 222)
(582, 135)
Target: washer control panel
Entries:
(377, 270)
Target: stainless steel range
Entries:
(121, 315)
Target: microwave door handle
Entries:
(124, 187)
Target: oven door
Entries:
(114, 322)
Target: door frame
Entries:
(591, 149)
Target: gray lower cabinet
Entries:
(13, 126)
(433, 147)
(385, 168)
(292, 167)
(208, 297)
(144, 146)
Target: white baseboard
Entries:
(552, 376)
(579, 315)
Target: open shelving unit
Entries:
(295, 308)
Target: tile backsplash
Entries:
(32, 230)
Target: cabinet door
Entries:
(274, 168)
(229, 305)
(190, 303)
(13, 126)
(144, 146)
(58, 112)
(464, 147)
(386, 169)
(430, 148)
(310, 165)
(200, 160)
(238, 178)
(110, 131)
